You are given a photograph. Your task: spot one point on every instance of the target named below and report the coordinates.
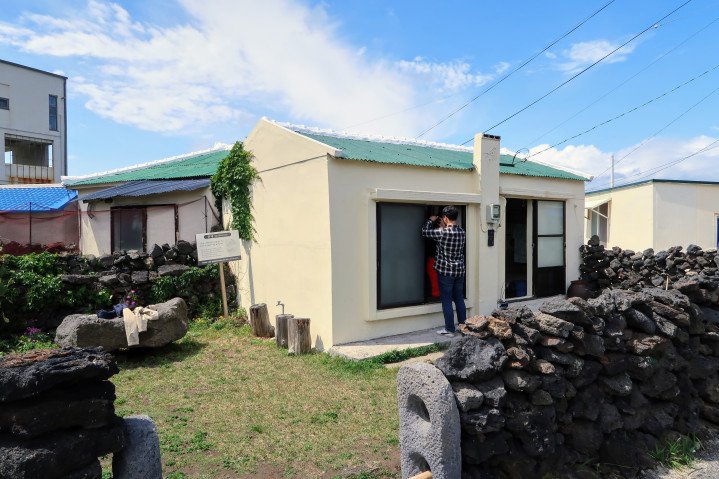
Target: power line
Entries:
(535, 140)
(625, 113)
(664, 166)
(573, 77)
(525, 63)
(654, 135)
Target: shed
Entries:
(38, 214)
(657, 213)
(159, 202)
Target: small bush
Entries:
(194, 285)
(677, 453)
(33, 338)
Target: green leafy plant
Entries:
(679, 452)
(190, 284)
(32, 338)
(233, 181)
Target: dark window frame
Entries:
(379, 204)
(53, 125)
(4, 103)
(112, 224)
(542, 291)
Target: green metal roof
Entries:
(201, 165)
(431, 156)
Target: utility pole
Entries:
(612, 181)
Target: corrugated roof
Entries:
(202, 165)
(14, 199)
(146, 188)
(454, 158)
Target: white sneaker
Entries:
(444, 332)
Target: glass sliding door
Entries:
(549, 247)
(516, 255)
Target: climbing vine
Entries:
(233, 181)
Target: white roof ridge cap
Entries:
(371, 137)
(139, 166)
(33, 185)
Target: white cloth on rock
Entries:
(136, 323)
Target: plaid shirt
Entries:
(450, 248)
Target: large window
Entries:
(4, 104)
(129, 229)
(53, 112)
(404, 258)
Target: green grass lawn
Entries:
(228, 405)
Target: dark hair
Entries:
(450, 212)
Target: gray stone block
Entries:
(141, 456)
(429, 431)
(88, 331)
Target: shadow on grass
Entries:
(158, 357)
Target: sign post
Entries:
(219, 247)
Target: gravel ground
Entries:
(705, 467)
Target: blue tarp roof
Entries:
(147, 187)
(15, 199)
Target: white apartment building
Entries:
(32, 125)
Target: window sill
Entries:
(420, 310)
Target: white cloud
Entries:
(644, 163)
(233, 61)
(585, 158)
(582, 54)
(449, 76)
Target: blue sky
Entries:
(155, 79)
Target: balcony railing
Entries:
(29, 174)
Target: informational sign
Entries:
(218, 247)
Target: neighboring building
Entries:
(338, 229)
(655, 214)
(32, 125)
(135, 207)
(38, 214)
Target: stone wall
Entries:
(57, 414)
(693, 271)
(582, 382)
(124, 271)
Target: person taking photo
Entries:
(449, 264)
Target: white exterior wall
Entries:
(96, 232)
(631, 215)
(686, 213)
(291, 261)
(28, 91)
(354, 187)
(353, 207)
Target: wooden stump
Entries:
(299, 340)
(281, 329)
(260, 321)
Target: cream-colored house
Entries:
(338, 229)
(160, 202)
(655, 214)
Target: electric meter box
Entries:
(493, 213)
